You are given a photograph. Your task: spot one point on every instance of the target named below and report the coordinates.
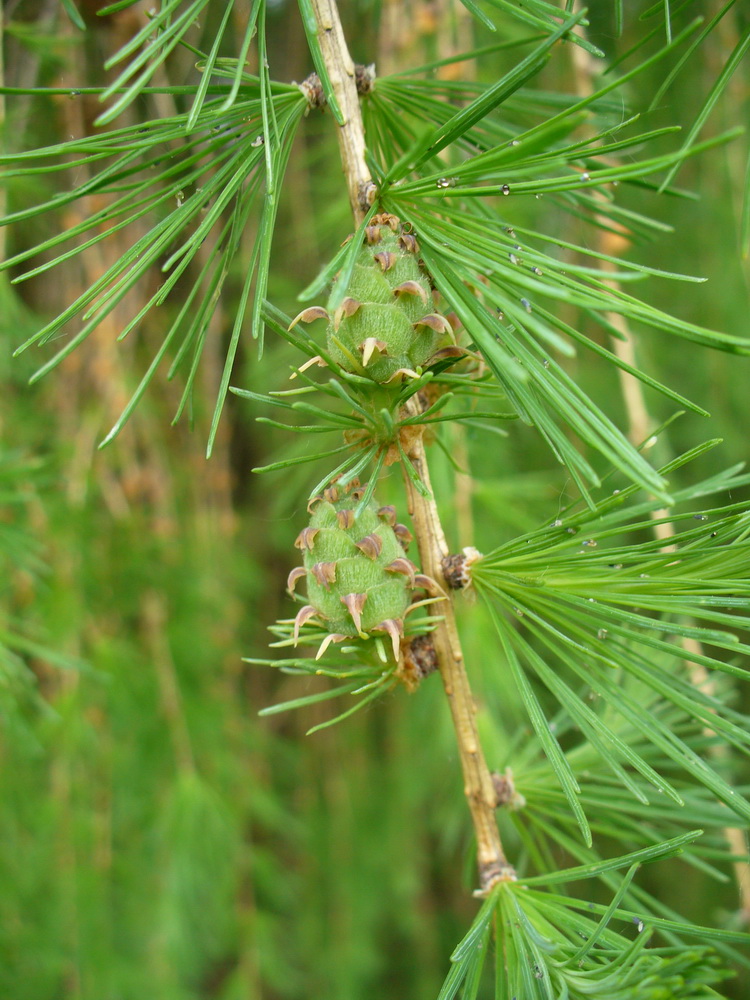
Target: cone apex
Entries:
(386, 219)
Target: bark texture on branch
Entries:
(351, 134)
(479, 787)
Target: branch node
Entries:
(506, 791)
(312, 88)
(457, 568)
(368, 192)
(492, 873)
(364, 78)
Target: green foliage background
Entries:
(158, 839)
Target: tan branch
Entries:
(478, 786)
(351, 134)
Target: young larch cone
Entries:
(359, 581)
(387, 325)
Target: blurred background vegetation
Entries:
(158, 839)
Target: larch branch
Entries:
(478, 785)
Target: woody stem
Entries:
(478, 785)
(351, 134)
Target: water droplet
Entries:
(644, 576)
(638, 923)
(526, 304)
(258, 141)
(537, 270)
(545, 363)
(505, 189)
(615, 565)
(516, 142)
(557, 523)
(500, 314)
(615, 492)
(592, 600)
(590, 543)
(714, 534)
(74, 93)
(572, 531)
(518, 612)
(700, 517)
(512, 258)
(585, 177)
(602, 633)
(510, 231)
(538, 197)
(444, 182)
(179, 198)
